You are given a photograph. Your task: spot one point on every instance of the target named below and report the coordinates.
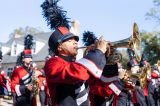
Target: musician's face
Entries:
(27, 61)
(68, 48)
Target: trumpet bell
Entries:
(133, 42)
(137, 43)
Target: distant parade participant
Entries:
(42, 84)
(138, 97)
(109, 89)
(6, 81)
(149, 88)
(66, 77)
(2, 85)
(111, 92)
(99, 92)
(3, 79)
(155, 75)
(22, 77)
(48, 97)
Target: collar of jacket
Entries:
(68, 58)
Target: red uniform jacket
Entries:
(2, 81)
(59, 71)
(20, 78)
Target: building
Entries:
(15, 45)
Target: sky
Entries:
(112, 19)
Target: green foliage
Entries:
(125, 57)
(151, 46)
(154, 12)
(156, 2)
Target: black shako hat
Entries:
(60, 35)
(29, 42)
(56, 19)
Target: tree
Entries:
(26, 30)
(151, 46)
(154, 12)
(125, 58)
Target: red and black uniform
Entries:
(155, 78)
(3, 82)
(48, 98)
(109, 87)
(137, 92)
(66, 78)
(20, 78)
(99, 90)
(149, 89)
(3, 73)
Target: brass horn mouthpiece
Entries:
(83, 47)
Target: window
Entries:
(15, 49)
(34, 46)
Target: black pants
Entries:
(42, 95)
(24, 100)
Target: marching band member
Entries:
(2, 84)
(42, 90)
(155, 78)
(20, 80)
(138, 97)
(66, 77)
(149, 88)
(102, 91)
(4, 80)
(110, 90)
(23, 76)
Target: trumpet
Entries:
(83, 47)
(133, 42)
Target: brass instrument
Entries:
(35, 85)
(141, 76)
(158, 63)
(144, 75)
(133, 42)
(34, 82)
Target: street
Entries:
(5, 102)
(9, 102)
